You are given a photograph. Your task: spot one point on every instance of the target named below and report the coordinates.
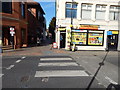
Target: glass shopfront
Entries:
(88, 37)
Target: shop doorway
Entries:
(6, 37)
(62, 39)
(112, 42)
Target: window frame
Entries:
(71, 8)
(9, 8)
(23, 12)
(101, 9)
(87, 36)
(114, 10)
(86, 8)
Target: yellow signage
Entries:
(89, 27)
(114, 32)
(61, 29)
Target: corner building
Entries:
(89, 24)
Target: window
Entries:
(114, 13)
(23, 10)
(100, 12)
(86, 11)
(71, 10)
(79, 38)
(7, 7)
(95, 37)
(87, 37)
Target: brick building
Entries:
(14, 14)
(19, 15)
(36, 23)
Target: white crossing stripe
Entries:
(58, 64)
(11, 66)
(23, 57)
(18, 61)
(1, 75)
(54, 59)
(110, 80)
(62, 73)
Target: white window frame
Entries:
(115, 9)
(102, 8)
(88, 7)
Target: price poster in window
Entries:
(79, 38)
(95, 39)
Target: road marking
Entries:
(18, 61)
(62, 73)
(11, 66)
(110, 80)
(23, 57)
(58, 64)
(54, 59)
(1, 75)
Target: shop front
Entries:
(86, 37)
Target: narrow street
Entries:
(43, 67)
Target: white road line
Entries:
(62, 73)
(1, 75)
(23, 57)
(58, 64)
(11, 66)
(18, 61)
(110, 80)
(54, 59)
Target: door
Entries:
(62, 39)
(113, 42)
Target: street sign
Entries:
(109, 32)
(12, 31)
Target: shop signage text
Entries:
(95, 27)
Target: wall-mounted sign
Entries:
(114, 31)
(12, 31)
(85, 26)
(61, 29)
(109, 32)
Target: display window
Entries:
(79, 38)
(88, 38)
(95, 39)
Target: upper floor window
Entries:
(23, 10)
(86, 11)
(100, 12)
(114, 12)
(7, 7)
(71, 10)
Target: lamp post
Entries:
(71, 21)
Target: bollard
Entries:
(73, 48)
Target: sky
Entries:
(49, 9)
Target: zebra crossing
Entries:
(59, 67)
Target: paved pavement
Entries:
(28, 66)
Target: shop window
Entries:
(86, 11)
(95, 38)
(23, 10)
(100, 12)
(71, 10)
(79, 37)
(87, 37)
(7, 7)
(114, 13)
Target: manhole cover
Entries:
(95, 55)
